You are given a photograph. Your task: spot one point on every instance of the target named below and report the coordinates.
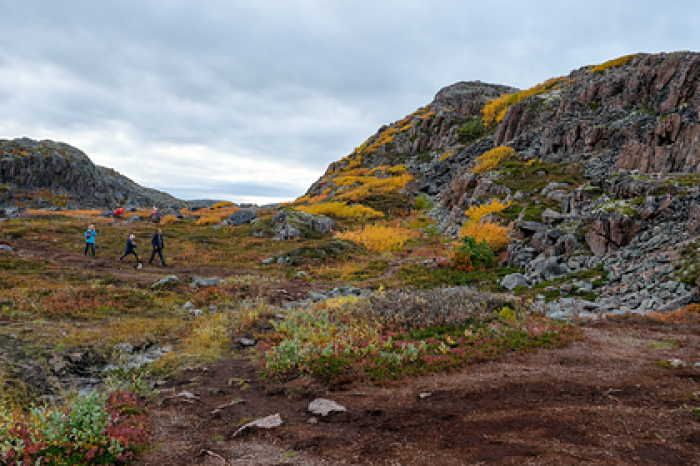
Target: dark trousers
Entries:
(160, 254)
(90, 246)
(130, 252)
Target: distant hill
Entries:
(46, 173)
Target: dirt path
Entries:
(285, 290)
(600, 401)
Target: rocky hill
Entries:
(47, 173)
(604, 175)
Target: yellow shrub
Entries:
(495, 109)
(622, 61)
(210, 219)
(219, 205)
(341, 210)
(380, 239)
(406, 127)
(169, 220)
(492, 159)
(446, 155)
(476, 213)
(397, 170)
(380, 169)
(497, 236)
(371, 186)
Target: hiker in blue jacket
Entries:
(90, 240)
(130, 249)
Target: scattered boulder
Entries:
(5, 248)
(198, 281)
(166, 282)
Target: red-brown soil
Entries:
(600, 401)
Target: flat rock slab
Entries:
(268, 422)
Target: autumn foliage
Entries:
(622, 61)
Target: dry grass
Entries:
(133, 330)
(63, 213)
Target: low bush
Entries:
(91, 429)
(393, 334)
(423, 202)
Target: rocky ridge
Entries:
(47, 173)
(606, 179)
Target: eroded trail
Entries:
(600, 401)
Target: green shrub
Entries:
(472, 255)
(471, 131)
(423, 202)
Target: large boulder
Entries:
(513, 281)
(290, 224)
(610, 231)
(242, 216)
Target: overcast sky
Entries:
(251, 100)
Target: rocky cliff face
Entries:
(607, 176)
(45, 173)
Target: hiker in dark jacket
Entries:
(90, 240)
(158, 244)
(130, 249)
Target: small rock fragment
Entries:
(324, 407)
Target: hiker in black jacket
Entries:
(130, 249)
(158, 244)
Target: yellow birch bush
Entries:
(380, 238)
(476, 213)
(495, 109)
(492, 159)
(622, 61)
(341, 210)
(497, 236)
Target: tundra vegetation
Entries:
(398, 273)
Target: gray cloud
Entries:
(250, 95)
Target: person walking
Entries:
(90, 240)
(130, 249)
(158, 244)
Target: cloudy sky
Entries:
(250, 100)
